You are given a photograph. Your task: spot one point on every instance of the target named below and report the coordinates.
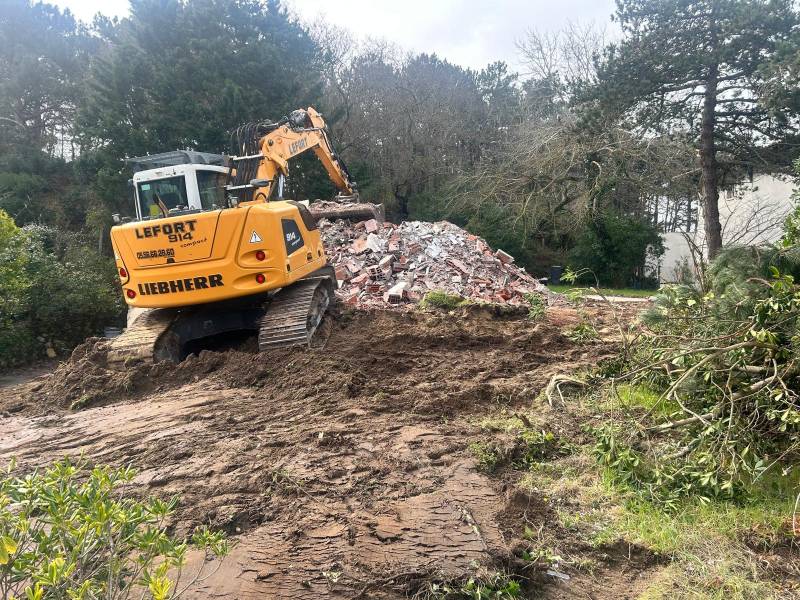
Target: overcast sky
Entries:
(467, 32)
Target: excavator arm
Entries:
(267, 149)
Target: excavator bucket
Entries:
(350, 211)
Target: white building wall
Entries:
(752, 213)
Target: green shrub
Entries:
(66, 532)
(534, 445)
(488, 455)
(497, 586)
(536, 306)
(614, 247)
(54, 290)
(582, 333)
(725, 366)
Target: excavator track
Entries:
(144, 340)
(290, 319)
(295, 313)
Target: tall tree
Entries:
(183, 74)
(698, 66)
(43, 58)
(42, 67)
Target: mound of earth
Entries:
(86, 379)
(343, 471)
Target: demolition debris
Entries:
(383, 264)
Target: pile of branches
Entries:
(727, 362)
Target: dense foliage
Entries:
(69, 532)
(614, 247)
(56, 290)
(726, 358)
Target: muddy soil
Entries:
(342, 471)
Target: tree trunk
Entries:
(708, 164)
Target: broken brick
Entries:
(379, 267)
(343, 273)
(359, 279)
(358, 246)
(504, 257)
(397, 292)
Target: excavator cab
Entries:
(179, 182)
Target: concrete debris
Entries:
(504, 257)
(388, 265)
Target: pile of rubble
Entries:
(380, 264)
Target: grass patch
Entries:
(763, 522)
(502, 422)
(487, 454)
(710, 544)
(625, 292)
(442, 300)
(642, 396)
(711, 548)
(707, 549)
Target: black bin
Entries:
(556, 272)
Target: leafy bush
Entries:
(488, 455)
(69, 533)
(55, 291)
(614, 247)
(536, 306)
(727, 362)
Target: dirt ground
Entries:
(343, 471)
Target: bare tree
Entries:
(567, 57)
(553, 172)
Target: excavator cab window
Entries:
(211, 186)
(158, 195)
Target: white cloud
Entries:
(87, 9)
(467, 32)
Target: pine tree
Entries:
(698, 67)
(183, 74)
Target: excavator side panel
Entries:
(249, 250)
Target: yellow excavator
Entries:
(215, 248)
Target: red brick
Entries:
(358, 246)
(342, 273)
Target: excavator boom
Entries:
(265, 150)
